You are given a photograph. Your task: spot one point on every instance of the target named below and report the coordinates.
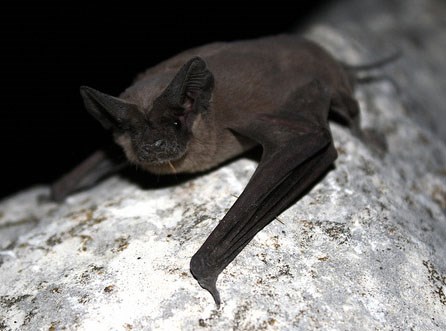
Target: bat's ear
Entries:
(113, 113)
(192, 86)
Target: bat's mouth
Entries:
(159, 152)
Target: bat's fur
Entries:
(209, 104)
(268, 69)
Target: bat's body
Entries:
(251, 77)
(206, 105)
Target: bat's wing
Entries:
(100, 164)
(297, 150)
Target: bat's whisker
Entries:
(172, 167)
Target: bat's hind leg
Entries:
(345, 110)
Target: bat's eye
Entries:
(177, 125)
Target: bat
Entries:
(206, 105)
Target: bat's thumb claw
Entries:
(205, 278)
(210, 284)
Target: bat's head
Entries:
(160, 131)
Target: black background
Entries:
(49, 49)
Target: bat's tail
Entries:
(356, 76)
(373, 65)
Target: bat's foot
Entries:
(208, 282)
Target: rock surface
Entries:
(363, 250)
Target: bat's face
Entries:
(160, 133)
(151, 136)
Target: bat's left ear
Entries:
(113, 113)
(191, 89)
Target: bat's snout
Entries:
(158, 151)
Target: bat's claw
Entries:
(208, 282)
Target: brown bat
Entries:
(206, 105)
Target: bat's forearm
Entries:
(269, 192)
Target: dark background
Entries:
(49, 49)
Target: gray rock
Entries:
(376, 28)
(363, 250)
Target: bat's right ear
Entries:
(192, 86)
(113, 113)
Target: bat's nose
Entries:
(153, 148)
(159, 143)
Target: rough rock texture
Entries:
(364, 250)
(417, 29)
